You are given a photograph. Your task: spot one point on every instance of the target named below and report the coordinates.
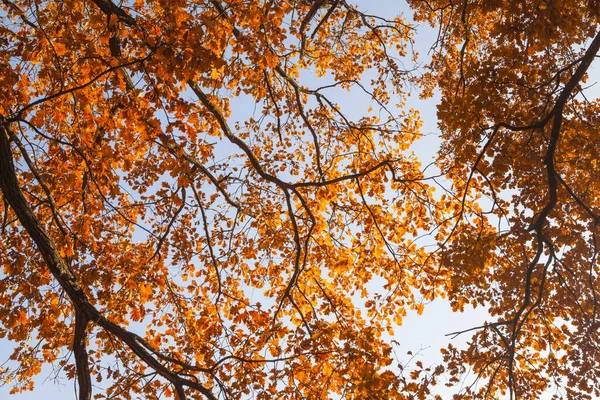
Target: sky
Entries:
(424, 334)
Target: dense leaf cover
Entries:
(191, 208)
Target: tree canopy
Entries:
(192, 207)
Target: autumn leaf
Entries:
(60, 49)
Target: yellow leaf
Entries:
(60, 49)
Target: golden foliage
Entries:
(190, 209)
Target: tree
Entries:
(516, 121)
(163, 241)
